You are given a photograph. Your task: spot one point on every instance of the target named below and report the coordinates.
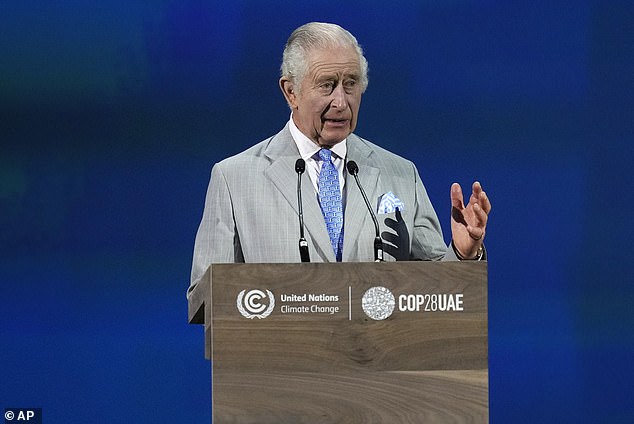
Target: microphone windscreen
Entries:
(300, 166)
(353, 169)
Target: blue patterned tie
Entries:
(330, 201)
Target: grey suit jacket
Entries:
(251, 211)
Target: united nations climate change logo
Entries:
(250, 306)
(378, 303)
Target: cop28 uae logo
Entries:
(250, 306)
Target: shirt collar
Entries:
(307, 148)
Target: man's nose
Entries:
(339, 97)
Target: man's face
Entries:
(326, 107)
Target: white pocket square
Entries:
(390, 203)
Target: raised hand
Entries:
(468, 223)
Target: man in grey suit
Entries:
(251, 209)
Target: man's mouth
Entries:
(336, 122)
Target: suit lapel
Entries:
(357, 219)
(283, 154)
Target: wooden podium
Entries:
(317, 343)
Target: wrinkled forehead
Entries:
(336, 60)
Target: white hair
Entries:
(317, 35)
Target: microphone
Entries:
(353, 170)
(300, 167)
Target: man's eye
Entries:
(350, 83)
(326, 85)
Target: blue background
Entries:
(112, 114)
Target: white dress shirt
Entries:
(309, 151)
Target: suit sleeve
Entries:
(427, 238)
(217, 240)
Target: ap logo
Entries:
(250, 303)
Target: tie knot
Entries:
(325, 155)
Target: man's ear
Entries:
(288, 89)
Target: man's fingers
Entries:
(475, 233)
(456, 196)
(476, 190)
(481, 215)
(484, 202)
(478, 195)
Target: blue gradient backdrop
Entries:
(112, 114)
